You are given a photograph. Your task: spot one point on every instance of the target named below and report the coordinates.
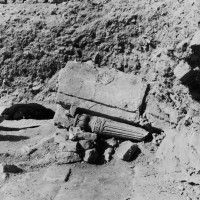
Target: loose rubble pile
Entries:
(90, 109)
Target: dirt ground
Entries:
(145, 38)
(139, 179)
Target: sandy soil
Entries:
(117, 179)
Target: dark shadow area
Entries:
(12, 138)
(192, 78)
(93, 113)
(136, 154)
(28, 111)
(15, 129)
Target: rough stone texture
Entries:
(196, 39)
(90, 156)
(69, 146)
(86, 144)
(76, 134)
(4, 168)
(112, 142)
(61, 119)
(108, 154)
(145, 41)
(67, 157)
(57, 174)
(109, 92)
(182, 70)
(126, 150)
(61, 135)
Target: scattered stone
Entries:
(126, 150)
(183, 71)
(108, 154)
(4, 168)
(112, 142)
(90, 156)
(61, 119)
(86, 144)
(70, 146)
(57, 174)
(67, 157)
(61, 135)
(75, 134)
(196, 39)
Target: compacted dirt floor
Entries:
(114, 180)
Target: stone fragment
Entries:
(61, 135)
(112, 142)
(126, 150)
(155, 115)
(105, 91)
(61, 119)
(70, 146)
(86, 144)
(75, 133)
(196, 39)
(183, 72)
(57, 174)
(104, 126)
(4, 168)
(90, 155)
(67, 157)
(108, 154)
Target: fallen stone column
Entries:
(112, 128)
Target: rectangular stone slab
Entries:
(107, 91)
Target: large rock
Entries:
(126, 150)
(106, 91)
(155, 115)
(196, 39)
(86, 144)
(69, 146)
(184, 73)
(76, 134)
(91, 156)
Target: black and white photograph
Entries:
(99, 99)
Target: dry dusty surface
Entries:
(117, 179)
(150, 39)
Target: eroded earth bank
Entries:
(123, 80)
